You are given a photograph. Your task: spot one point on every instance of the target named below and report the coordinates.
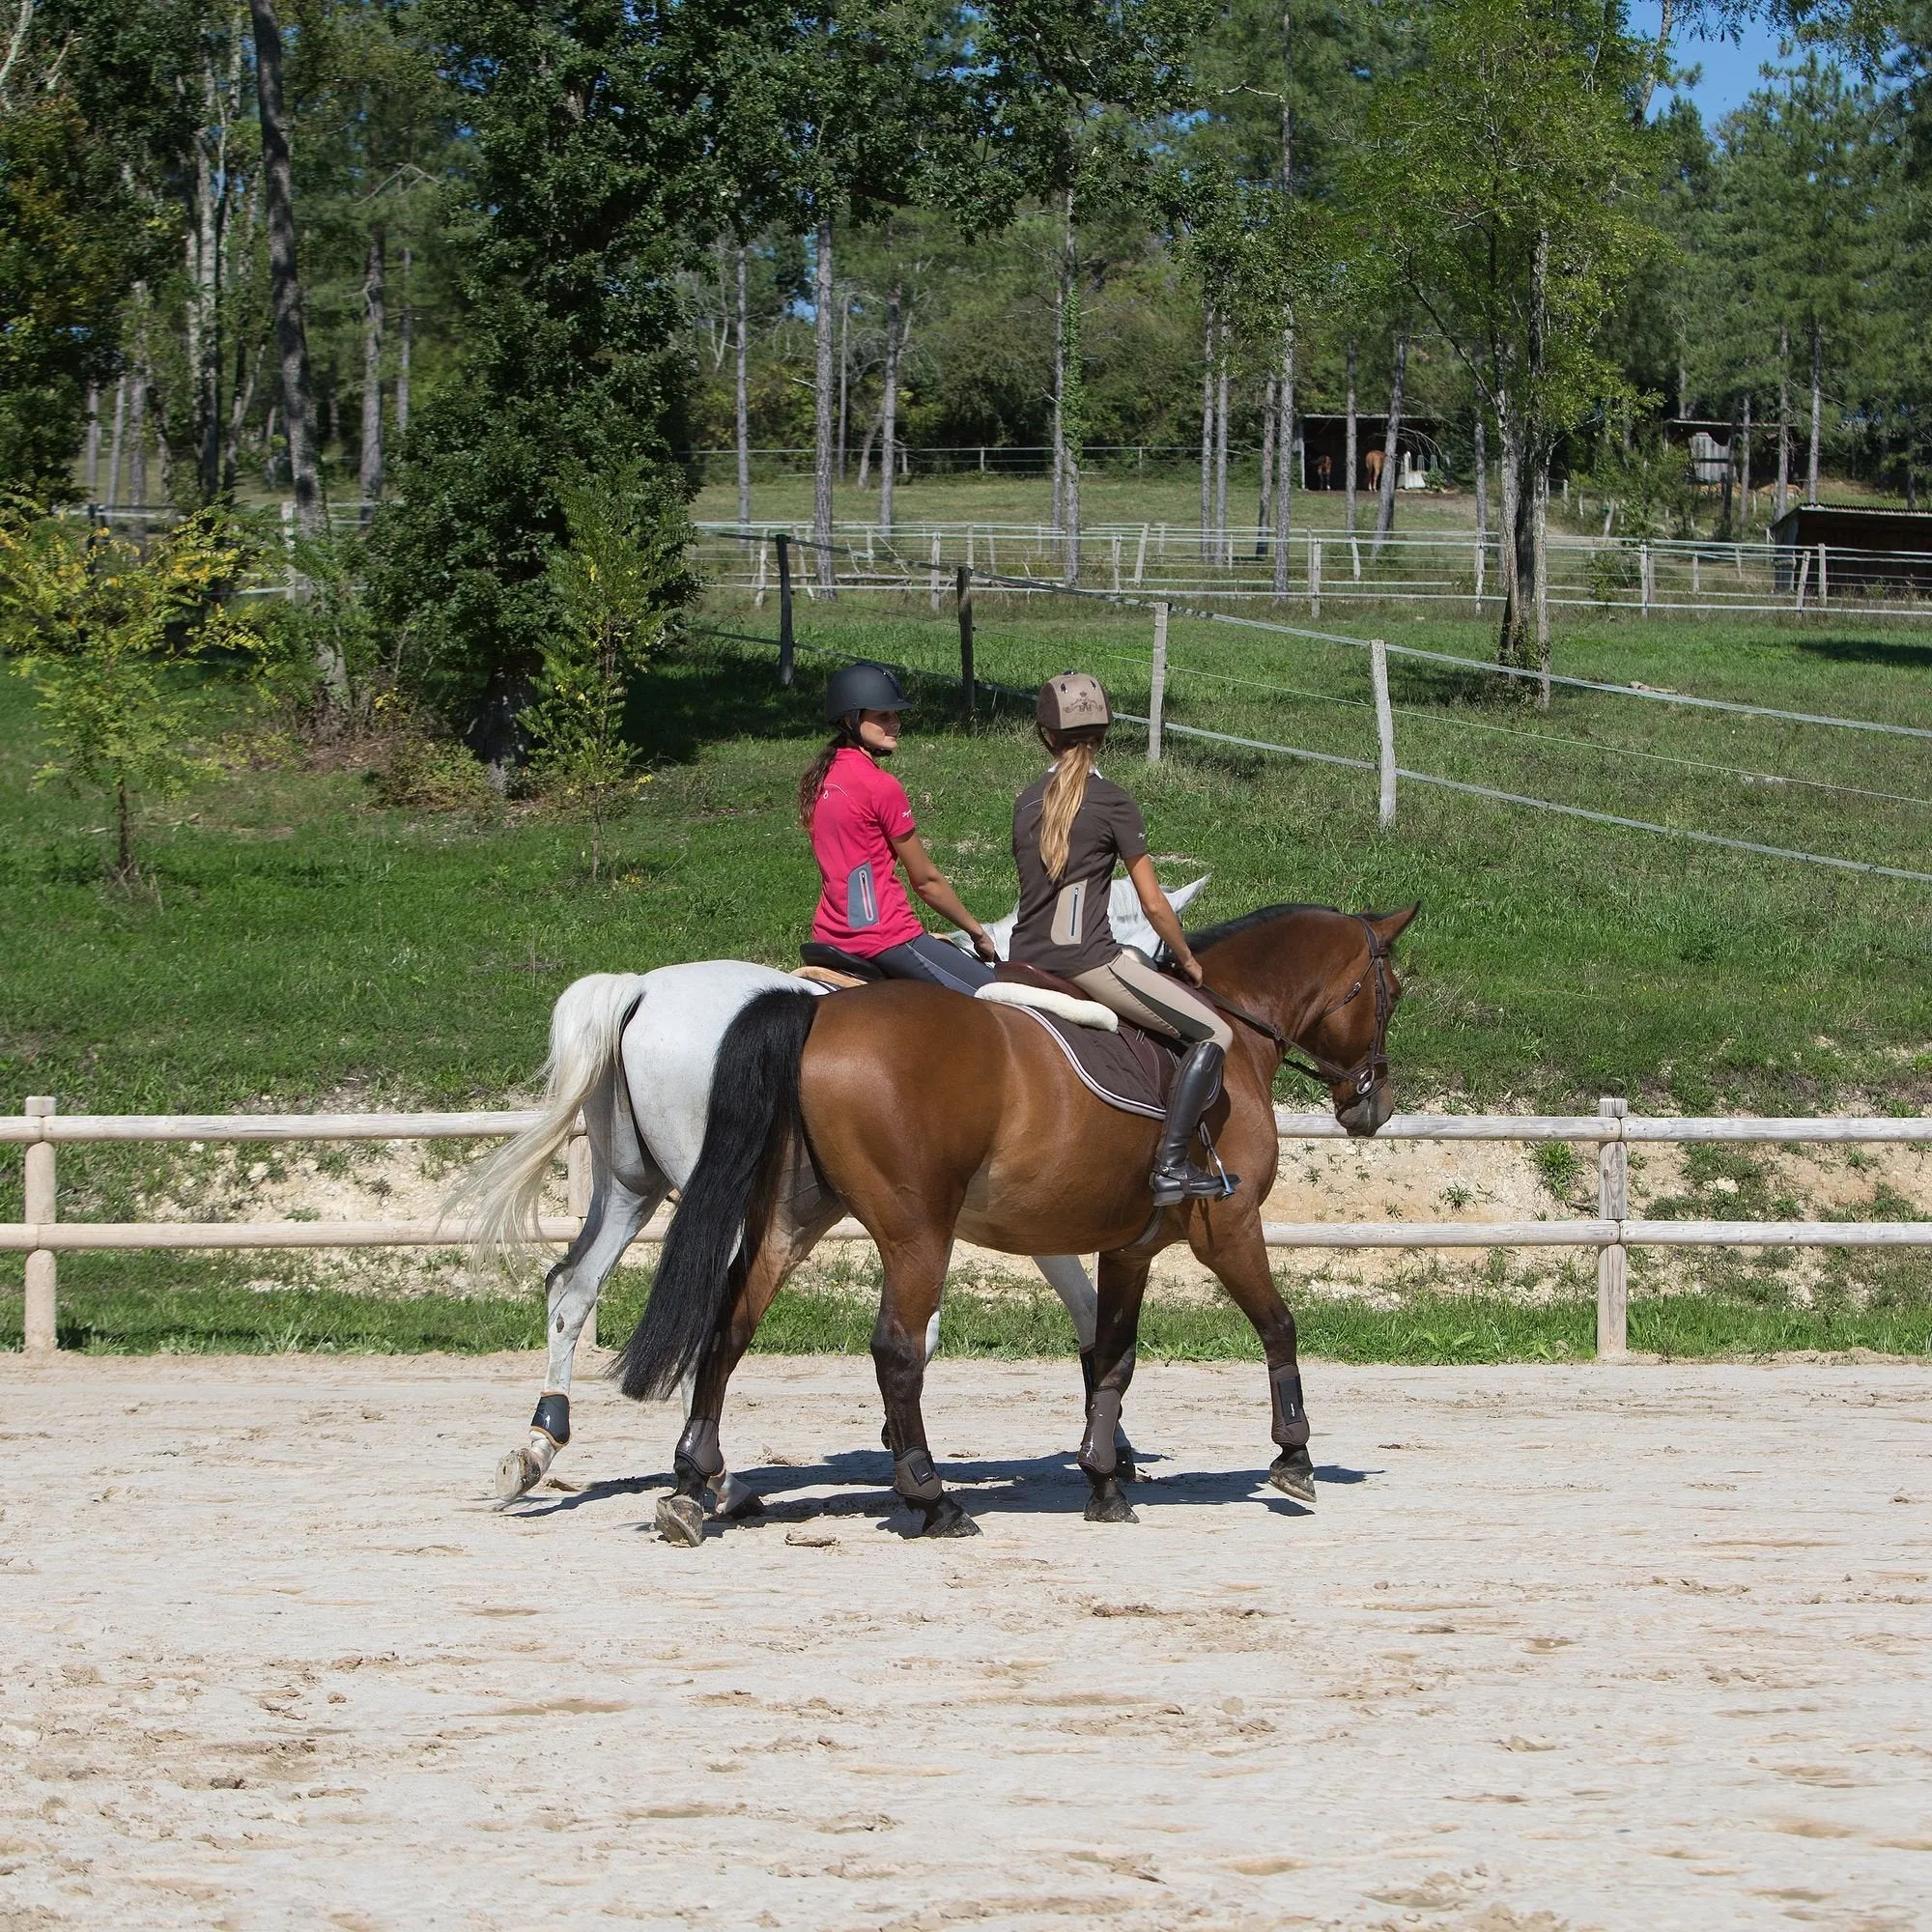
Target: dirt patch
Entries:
(1558, 1648)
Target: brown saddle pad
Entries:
(1131, 1070)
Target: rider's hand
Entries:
(982, 945)
(1191, 967)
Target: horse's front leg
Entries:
(1066, 1276)
(915, 1270)
(616, 1213)
(1123, 1283)
(697, 1463)
(1240, 1262)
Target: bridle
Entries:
(1374, 1065)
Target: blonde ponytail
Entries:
(1066, 790)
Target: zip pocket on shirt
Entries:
(862, 907)
(1068, 909)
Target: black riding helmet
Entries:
(862, 687)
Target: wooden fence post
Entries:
(1157, 693)
(758, 586)
(1482, 556)
(784, 542)
(1804, 577)
(1643, 577)
(963, 590)
(1378, 676)
(1823, 586)
(40, 1335)
(1614, 1260)
(936, 576)
(1313, 577)
(1696, 586)
(1139, 558)
(577, 1204)
(1117, 563)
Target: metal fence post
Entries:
(963, 587)
(40, 1335)
(1612, 1260)
(784, 541)
(1378, 677)
(1157, 692)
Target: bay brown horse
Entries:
(931, 1117)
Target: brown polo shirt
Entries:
(1063, 924)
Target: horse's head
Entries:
(1347, 1037)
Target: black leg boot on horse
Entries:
(696, 1465)
(1197, 1086)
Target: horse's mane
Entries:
(1214, 935)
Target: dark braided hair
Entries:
(812, 782)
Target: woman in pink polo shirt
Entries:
(862, 831)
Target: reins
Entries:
(1366, 1072)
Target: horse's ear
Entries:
(1391, 925)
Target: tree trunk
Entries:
(1207, 438)
(1744, 467)
(248, 373)
(1817, 386)
(285, 284)
(742, 404)
(1261, 520)
(403, 330)
(124, 826)
(1783, 422)
(1512, 559)
(204, 297)
(1284, 462)
(370, 476)
(844, 378)
(1057, 516)
(114, 446)
(1221, 537)
(889, 412)
(865, 452)
(1352, 454)
(824, 427)
(1072, 414)
(1482, 474)
(137, 436)
(92, 442)
(1539, 539)
(1385, 495)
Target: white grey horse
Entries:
(632, 1052)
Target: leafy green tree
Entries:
(619, 579)
(1496, 190)
(106, 632)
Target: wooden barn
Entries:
(1836, 547)
(1325, 451)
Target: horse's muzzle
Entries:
(1364, 1116)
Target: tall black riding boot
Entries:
(1197, 1081)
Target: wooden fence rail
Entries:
(41, 1235)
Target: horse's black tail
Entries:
(752, 1112)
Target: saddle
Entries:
(829, 959)
(1125, 1065)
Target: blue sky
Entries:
(1730, 72)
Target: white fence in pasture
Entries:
(1644, 576)
(42, 1236)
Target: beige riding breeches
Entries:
(1158, 1001)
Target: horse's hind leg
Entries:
(699, 1462)
(1066, 1276)
(1122, 1282)
(915, 1276)
(1243, 1265)
(572, 1288)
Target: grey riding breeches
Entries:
(1163, 1003)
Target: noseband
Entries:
(1374, 1065)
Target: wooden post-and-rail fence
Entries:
(42, 1236)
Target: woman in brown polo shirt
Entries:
(1070, 830)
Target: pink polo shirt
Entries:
(861, 810)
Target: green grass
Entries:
(299, 943)
(165, 1305)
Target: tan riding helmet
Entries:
(1073, 701)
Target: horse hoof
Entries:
(737, 1504)
(1108, 1505)
(946, 1517)
(517, 1474)
(680, 1521)
(1294, 1475)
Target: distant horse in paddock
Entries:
(931, 1118)
(1325, 470)
(634, 1054)
(1372, 462)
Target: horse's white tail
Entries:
(499, 1195)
